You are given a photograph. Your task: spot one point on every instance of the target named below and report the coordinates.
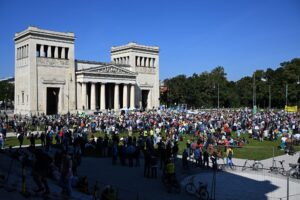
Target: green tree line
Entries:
(7, 92)
(201, 90)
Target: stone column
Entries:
(93, 96)
(49, 52)
(55, 52)
(83, 96)
(102, 97)
(25, 51)
(138, 61)
(125, 96)
(116, 97)
(79, 105)
(63, 53)
(153, 63)
(142, 62)
(146, 62)
(42, 51)
(149, 104)
(132, 96)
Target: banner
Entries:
(291, 108)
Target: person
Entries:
(42, 137)
(198, 157)
(299, 164)
(175, 150)
(185, 159)
(154, 166)
(205, 158)
(1, 141)
(66, 174)
(229, 154)
(115, 153)
(32, 140)
(20, 137)
(147, 163)
(40, 170)
(169, 171)
(162, 153)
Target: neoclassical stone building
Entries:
(48, 78)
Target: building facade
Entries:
(48, 78)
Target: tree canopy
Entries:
(201, 90)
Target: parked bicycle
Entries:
(224, 167)
(200, 190)
(294, 170)
(278, 170)
(256, 165)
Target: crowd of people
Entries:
(154, 135)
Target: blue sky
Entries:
(193, 36)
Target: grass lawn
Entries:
(255, 150)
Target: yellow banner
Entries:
(291, 108)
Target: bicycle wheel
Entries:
(203, 194)
(190, 188)
(274, 170)
(283, 172)
(245, 166)
(258, 166)
(233, 167)
(221, 167)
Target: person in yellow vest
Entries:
(229, 154)
(170, 170)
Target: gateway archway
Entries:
(52, 100)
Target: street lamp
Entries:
(254, 95)
(265, 80)
(218, 88)
(286, 94)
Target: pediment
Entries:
(109, 69)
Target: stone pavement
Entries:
(11, 188)
(131, 184)
(229, 184)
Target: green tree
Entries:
(6, 92)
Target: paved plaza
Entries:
(131, 184)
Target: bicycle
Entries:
(274, 169)
(294, 170)
(223, 166)
(256, 166)
(199, 190)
